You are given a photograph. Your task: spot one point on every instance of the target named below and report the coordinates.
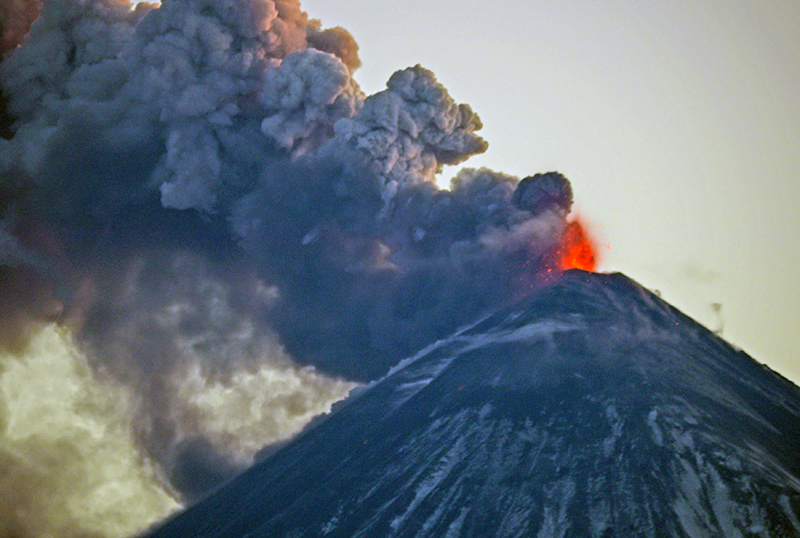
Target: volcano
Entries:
(590, 408)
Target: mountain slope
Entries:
(591, 408)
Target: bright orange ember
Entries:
(577, 250)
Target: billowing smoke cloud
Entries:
(229, 227)
(69, 465)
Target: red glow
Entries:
(577, 249)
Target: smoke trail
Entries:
(217, 211)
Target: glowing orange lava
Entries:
(577, 250)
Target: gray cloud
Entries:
(221, 200)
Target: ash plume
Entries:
(217, 200)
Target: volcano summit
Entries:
(590, 408)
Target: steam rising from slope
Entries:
(70, 436)
(212, 205)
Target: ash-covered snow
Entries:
(591, 408)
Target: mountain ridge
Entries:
(589, 408)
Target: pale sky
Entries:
(678, 125)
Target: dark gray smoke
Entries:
(543, 191)
(214, 187)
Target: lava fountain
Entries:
(577, 248)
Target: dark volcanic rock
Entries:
(591, 408)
